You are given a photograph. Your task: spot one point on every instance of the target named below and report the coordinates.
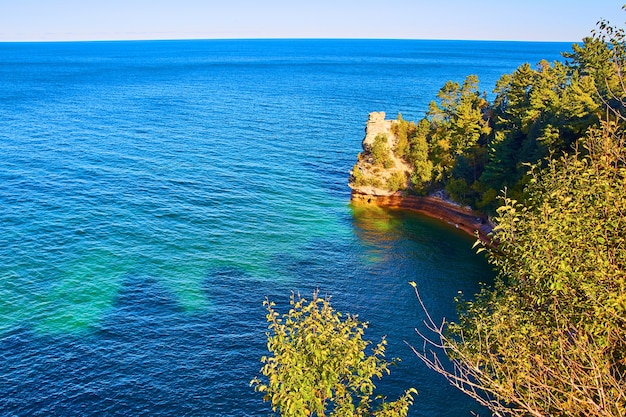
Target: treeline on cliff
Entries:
(474, 148)
(549, 337)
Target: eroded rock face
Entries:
(369, 178)
(369, 185)
(376, 124)
(462, 218)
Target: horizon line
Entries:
(277, 39)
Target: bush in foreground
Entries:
(318, 364)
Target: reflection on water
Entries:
(401, 246)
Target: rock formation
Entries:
(369, 184)
(369, 178)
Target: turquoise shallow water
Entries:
(152, 194)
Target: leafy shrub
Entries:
(380, 152)
(319, 363)
(397, 181)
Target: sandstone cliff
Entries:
(368, 177)
(459, 217)
(370, 183)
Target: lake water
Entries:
(152, 194)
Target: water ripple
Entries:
(153, 193)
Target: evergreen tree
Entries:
(419, 156)
(549, 338)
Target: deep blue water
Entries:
(152, 194)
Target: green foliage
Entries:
(488, 200)
(597, 60)
(419, 156)
(458, 118)
(397, 181)
(562, 262)
(380, 152)
(457, 188)
(454, 132)
(361, 179)
(402, 129)
(358, 177)
(319, 364)
(537, 112)
(550, 337)
(457, 123)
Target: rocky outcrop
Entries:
(369, 178)
(368, 182)
(376, 125)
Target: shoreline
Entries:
(462, 218)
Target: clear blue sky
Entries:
(545, 20)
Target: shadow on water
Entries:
(149, 353)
